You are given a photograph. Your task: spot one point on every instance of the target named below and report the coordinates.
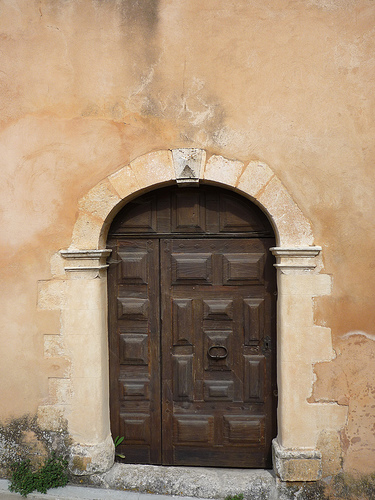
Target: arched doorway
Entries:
(191, 290)
(78, 292)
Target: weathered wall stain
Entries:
(349, 380)
(139, 13)
(27, 438)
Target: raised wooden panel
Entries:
(194, 429)
(133, 267)
(254, 378)
(135, 427)
(182, 314)
(134, 389)
(191, 266)
(237, 216)
(188, 214)
(140, 216)
(132, 308)
(243, 430)
(183, 376)
(133, 349)
(239, 268)
(218, 309)
(253, 320)
(218, 390)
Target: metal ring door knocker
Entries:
(217, 356)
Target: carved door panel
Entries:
(134, 345)
(217, 316)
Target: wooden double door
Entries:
(191, 334)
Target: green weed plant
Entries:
(52, 474)
(239, 496)
(118, 440)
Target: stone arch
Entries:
(255, 180)
(78, 291)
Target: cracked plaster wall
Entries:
(87, 86)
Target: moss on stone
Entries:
(80, 463)
(22, 438)
(340, 487)
(348, 487)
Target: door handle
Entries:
(217, 356)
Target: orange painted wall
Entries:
(87, 86)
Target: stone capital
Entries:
(85, 260)
(292, 259)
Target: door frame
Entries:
(77, 290)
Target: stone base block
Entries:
(296, 464)
(92, 459)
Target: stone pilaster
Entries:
(84, 324)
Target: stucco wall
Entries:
(87, 86)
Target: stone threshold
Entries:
(201, 482)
